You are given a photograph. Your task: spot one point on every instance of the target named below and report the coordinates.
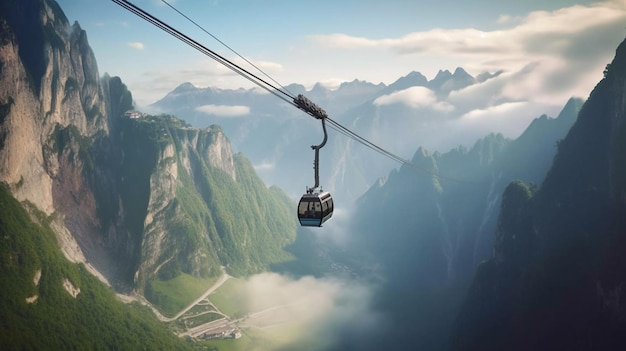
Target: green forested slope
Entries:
(238, 223)
(209, 217)
(56, 320)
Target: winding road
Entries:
(162, 318)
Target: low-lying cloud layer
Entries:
(306, 311)
(415, 97)
(224, 110)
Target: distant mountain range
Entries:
(276, 137)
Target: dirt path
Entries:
(142, 300)
(214, 287)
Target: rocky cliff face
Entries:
(557, 273)
(180, 153)
(134, 197)
(52, 101)
(61, 90)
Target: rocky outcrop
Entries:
(56, 87)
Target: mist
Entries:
(308, 313)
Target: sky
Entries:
(565, 43)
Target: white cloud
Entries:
(505, 108)
(224, 110)
(568, 48)
(136, 45)
(508, 118)
(539, 27)
(265, 166)
(332, 83)
(414, 97)
(504, 18)
(316, 310)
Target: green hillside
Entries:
(210, 220)
(93, 320)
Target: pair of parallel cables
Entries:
(276, 88)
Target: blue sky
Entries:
(378, 41)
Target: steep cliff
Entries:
(199, 205)
(54, 111)
(556, 278)
(48, 81)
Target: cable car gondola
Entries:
(315, 207)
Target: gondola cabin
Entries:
(315, 209)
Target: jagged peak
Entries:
(354, 82)
(77, 33)
(442, 75)
(421, 153)
(571, 108)
(319, 87)
(296, 87)
(214, 128)
(461, 73)
(76, 26)
(410, 80)
(415, 74)
(184, 88)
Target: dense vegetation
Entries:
(93, 320)
(213, 220)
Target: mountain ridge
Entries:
(556, 264)
(443, 210)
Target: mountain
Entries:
(445, 82)
(426, 227)
(556, 276)
(412, 79)
(137, 200)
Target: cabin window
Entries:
(309, 209)
(302, 209)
